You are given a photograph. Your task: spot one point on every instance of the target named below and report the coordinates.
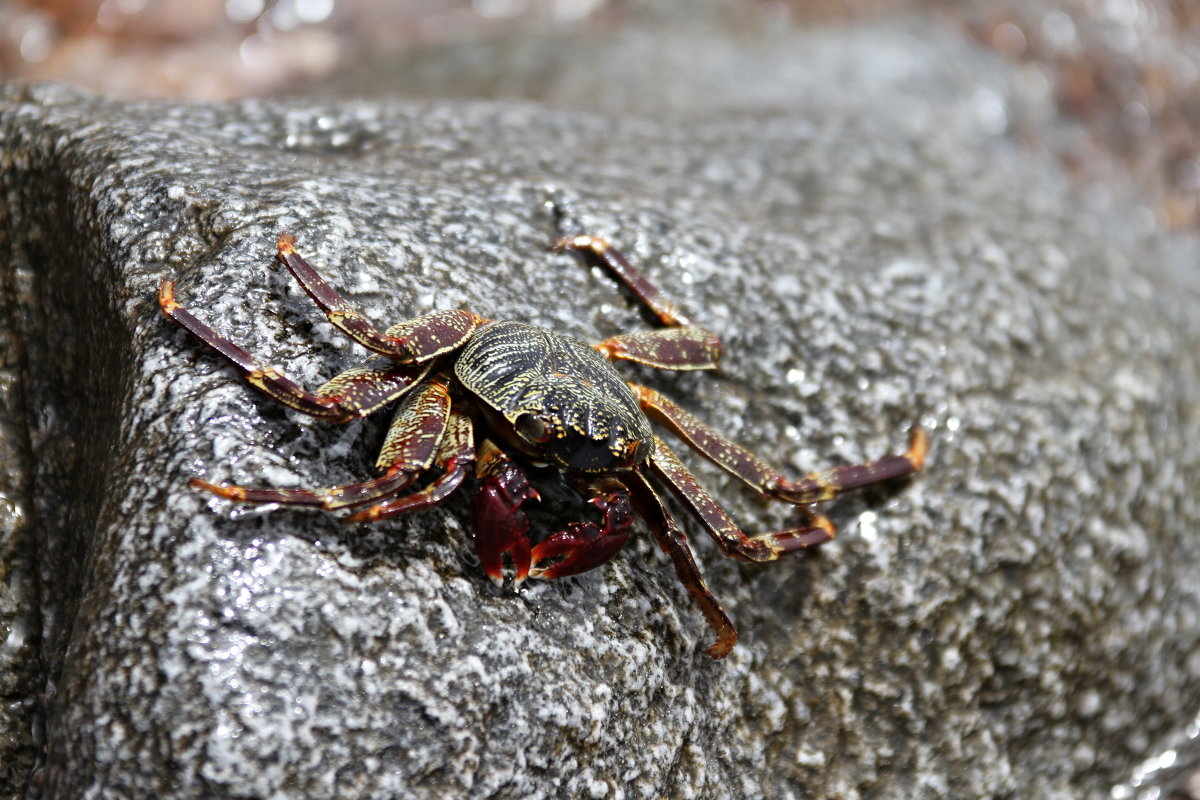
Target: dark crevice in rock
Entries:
(74, 377)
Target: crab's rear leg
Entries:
(686, 347)
(408, 450)
(414, 341)
(674, 543)
(630, 276)
(678, 346)
(354, 393)
(741, 463)
(455, 454)
(729, 537)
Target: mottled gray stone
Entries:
(1020, 620)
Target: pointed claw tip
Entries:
(228, 492)
(918, 446)
(719, 649)
(166, 296)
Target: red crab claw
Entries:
(583, 545)
(501, 527)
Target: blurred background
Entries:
(1124, 74)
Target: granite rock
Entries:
(1019, 620)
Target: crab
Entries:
(502, 396)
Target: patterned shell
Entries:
(520, 369)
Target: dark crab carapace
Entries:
(497, 394)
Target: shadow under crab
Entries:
(528, 394)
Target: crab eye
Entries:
(638, 452)
(533, 428)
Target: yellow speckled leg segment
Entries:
(415, 341)
(682, 348)
(716, 520)
(741, 463)
(456, 454)
(412, 441)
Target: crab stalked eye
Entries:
(638, 452)
(534, 428)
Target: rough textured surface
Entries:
(1019, 621)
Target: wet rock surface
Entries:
(1019, 620)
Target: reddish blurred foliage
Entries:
(1124, 74)
(1128, 71)
(218, 49)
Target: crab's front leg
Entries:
(501, 527)
(674, 543)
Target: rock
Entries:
(1018, 620)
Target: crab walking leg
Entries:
(629, 276)
(674, 543)
(456, 452)
(329, 499)
(409, 449)
(741, 463)
(415, 341)
(685, 347)
(265, 379)
(733, 542)
(357, 392)
(367, 388)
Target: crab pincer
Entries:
(585, 545)
(501, 527)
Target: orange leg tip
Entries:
(287, 244)
(228, 492)
(918, 446)
(580, 242)
(721, 647)
(166, 296)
